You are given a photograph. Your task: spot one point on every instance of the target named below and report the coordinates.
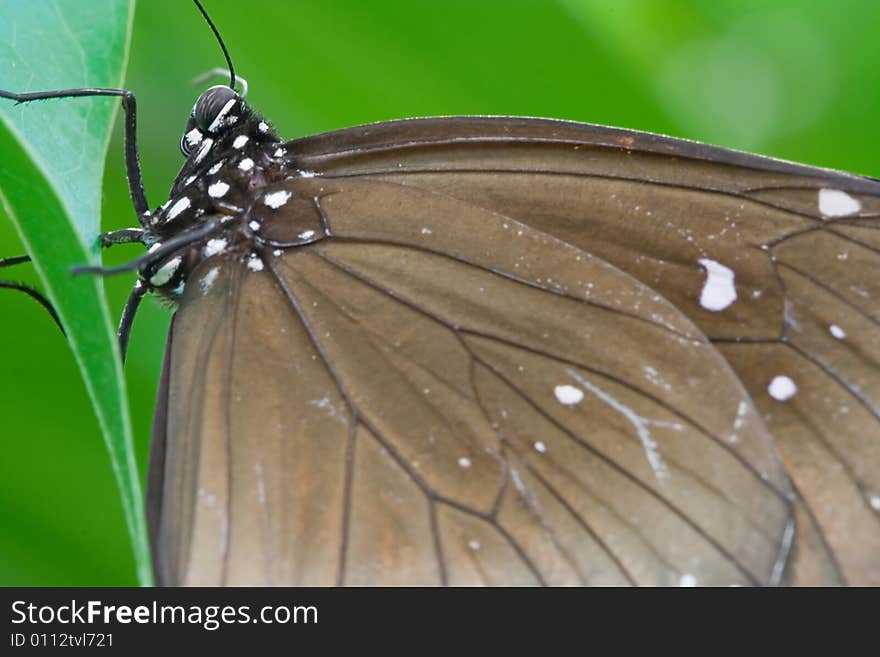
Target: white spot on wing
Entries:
(255, 263)
(718, 290)
(654, 377)
(835, 203)
(276, 199)
(639, 423)
(426, 230)
(240, 141)
(464, 462)
(790, 318)
(474, 545)
(741, 411)
(214, 169)
(862, 293)
(837, 332)
(332, 411)
(521, 488)
(875, 502)
(178, 207)
(254, 225)
(306, 234)
(739, 421)
(782, 388)
(208, 279)
(263, 127)
(218, 189)
(246, 164)
(540, 447)
(568, 395)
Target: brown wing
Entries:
(655, 207)
(497, 371)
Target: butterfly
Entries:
(508, 351)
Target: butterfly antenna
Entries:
(220, 41)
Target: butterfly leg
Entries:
(132, 160)
(160, 251)
(28, 290)
(124, 236)
(123, 333)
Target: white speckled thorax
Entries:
(234, 179)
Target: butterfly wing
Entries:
(503, 367)
(801, 241)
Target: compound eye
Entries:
(191, 138)
(216, 109)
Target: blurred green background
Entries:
(790, 79)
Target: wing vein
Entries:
(505, 275)
(231, 305)
(574, 174)
(590, 448)
(352, 409)
(577, 517)
(427, 313)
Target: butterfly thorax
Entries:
(231, 188)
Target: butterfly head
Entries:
(218, 113)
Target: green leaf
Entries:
(51, 168)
